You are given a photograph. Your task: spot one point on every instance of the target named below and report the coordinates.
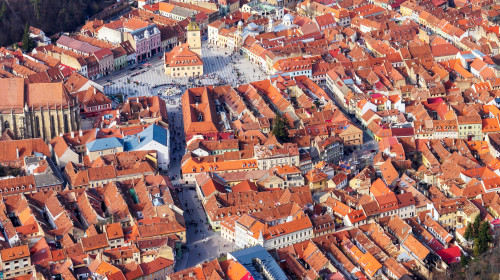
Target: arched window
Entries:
(66, 124)
(37, 127)
(52, 127)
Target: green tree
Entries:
(483, 239)
(27, 41)
(464, 260)
(469, 233)
(479, 247)
(280, 128)
(484, 232)
(476, 225)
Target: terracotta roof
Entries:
(212, 186)
(98, 241)
(244, 186)
(316, 175)
(389, 173)
(114, 231)
(15, 253)
(25, 147)
(287, 228)
(182, 56)
(379, 188)
(416, 248)
(405, 199)
(338, 208)
(198, 102)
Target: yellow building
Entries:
(454, 213)
(316, 179)
(470, 128)
(194, 36)
(182, 62)
(185, 60)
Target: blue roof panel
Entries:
(152, 133)
(104, 144)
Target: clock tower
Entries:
(194, 36)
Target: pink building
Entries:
(146, 37)
(105, 59)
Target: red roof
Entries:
(156, 265)
(244, 186)
(450, 255)
(211, 186)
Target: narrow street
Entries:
(203, 244)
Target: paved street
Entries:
(233, 68)
(203, 244)
(176, 141)
(220, 67)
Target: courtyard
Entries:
(221, 67)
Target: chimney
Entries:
(94, 90)
(80, 133)
(137, 99)
(17, 152)
(72, 134)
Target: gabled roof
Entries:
(212, 186)
(416, 248)
(182, 56)
(26, 147)
(153, 133)
(379, 188)
(244, 186)
(389, 173)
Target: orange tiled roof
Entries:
(15, 253)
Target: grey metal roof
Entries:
(256, 256)
(77, 45)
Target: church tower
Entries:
(194, 36)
